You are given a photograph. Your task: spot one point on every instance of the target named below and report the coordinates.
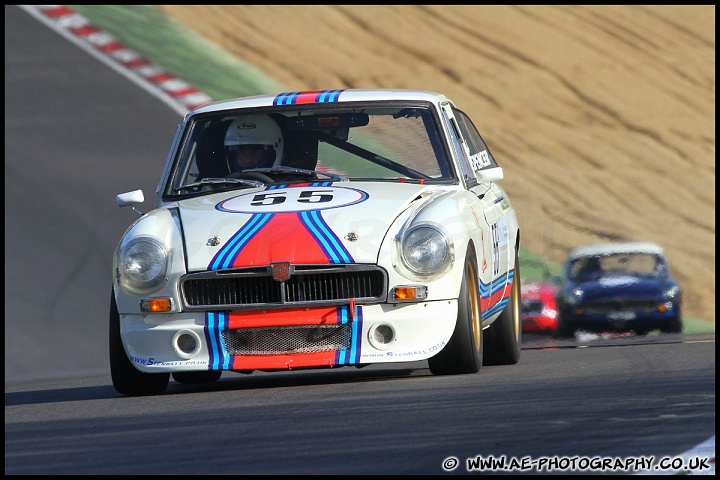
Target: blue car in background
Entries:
(618, 287)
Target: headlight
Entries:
(671, 292)
(574, 297)
(142, 266)
(425, 250)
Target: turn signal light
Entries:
(156, 305)
(409, 293)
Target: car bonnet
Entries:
(316, 223)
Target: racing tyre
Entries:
(565, 327)
(125, 377)
(503, 340)
(463, 353)
(675, 326)
(197, 377)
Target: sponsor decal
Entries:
(286, 223)
(480, 160)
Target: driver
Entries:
(253, 141)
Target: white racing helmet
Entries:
(254, 130)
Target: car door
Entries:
(479, 168)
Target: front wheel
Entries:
(566, 328)
(674, 326)
(463, 353)
(127, 379)
(503, 340)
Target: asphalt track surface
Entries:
(76, 134)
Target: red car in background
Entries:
(538, 307)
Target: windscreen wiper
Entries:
(220, 181)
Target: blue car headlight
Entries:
(574, 297)
(671, 293)
(142, 265)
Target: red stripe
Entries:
(136, 63)
(182, 93)
(307, 97)
(283, 318)
(161, 77)
(283, 362)
(85, 30)
(55, 12)
(283, 238)
(495, 298)
(111, 47)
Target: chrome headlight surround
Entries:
(142, 265)
(425, 251)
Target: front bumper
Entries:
(289, 338)
(622, 321)
(539, 324)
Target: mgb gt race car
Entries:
(318, 229)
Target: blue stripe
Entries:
(214, 337)
(351, 356)
(304, 217)
(326, 236)
(342, 319)
(498, 283)
(223, 326)
(334, 248)
(340, 252)
(225, 256)
(285, 98)
(329, 96)
(495, 308)
(356, 336)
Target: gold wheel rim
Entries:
(475, 315)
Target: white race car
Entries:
(318, 229)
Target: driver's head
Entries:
(252, 141)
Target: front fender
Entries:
(163, 225)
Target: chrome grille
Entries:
(254, 287)
(287, 340)
(620, 305)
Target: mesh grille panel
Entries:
(278, 340)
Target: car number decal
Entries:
(294, 199)
(500, 241)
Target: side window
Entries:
(480, 156)
(465, 167)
